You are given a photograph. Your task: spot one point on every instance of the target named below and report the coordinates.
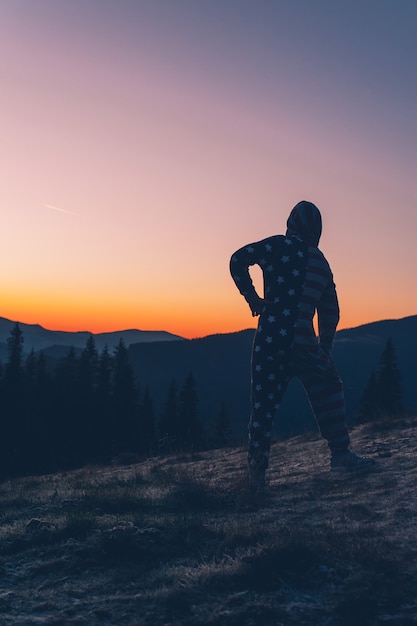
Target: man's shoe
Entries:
(350, 462)
(256, 481)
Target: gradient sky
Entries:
(143, 141)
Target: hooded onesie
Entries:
(298, 282)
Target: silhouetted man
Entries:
(297, 283)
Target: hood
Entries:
(305, 222)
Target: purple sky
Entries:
(144, 141)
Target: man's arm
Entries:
(239, 268)
(328, 316)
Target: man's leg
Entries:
(270, 376)
(324, 389)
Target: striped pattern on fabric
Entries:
(324, 388)
(319, 294)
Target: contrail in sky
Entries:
(56, 208)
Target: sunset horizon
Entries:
(172, 329)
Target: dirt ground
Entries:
(180, 540)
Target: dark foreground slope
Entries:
(221, 367)
(180, 542)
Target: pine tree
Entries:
(84, 421)
(147, 424)
(221, 429)
(104, 374)
(390, 393)
(30, 371)
(38, 414)
(14, 365)
(369, 408)
(45, 413)
(67, 406)
(88, 369)
(382, 397)
(168, 421)
(190, 432)
(125, 402)
(105, 411)
(14, 435)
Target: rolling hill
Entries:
(221, 367)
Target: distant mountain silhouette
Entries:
(56, 343)
(221, 367)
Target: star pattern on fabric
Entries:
(283, 261)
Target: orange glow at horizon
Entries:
(183, 319)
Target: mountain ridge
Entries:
(220, 364)
(221, 367)
(38, 338)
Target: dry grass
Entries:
(180, 541)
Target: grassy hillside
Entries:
(180, 541)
